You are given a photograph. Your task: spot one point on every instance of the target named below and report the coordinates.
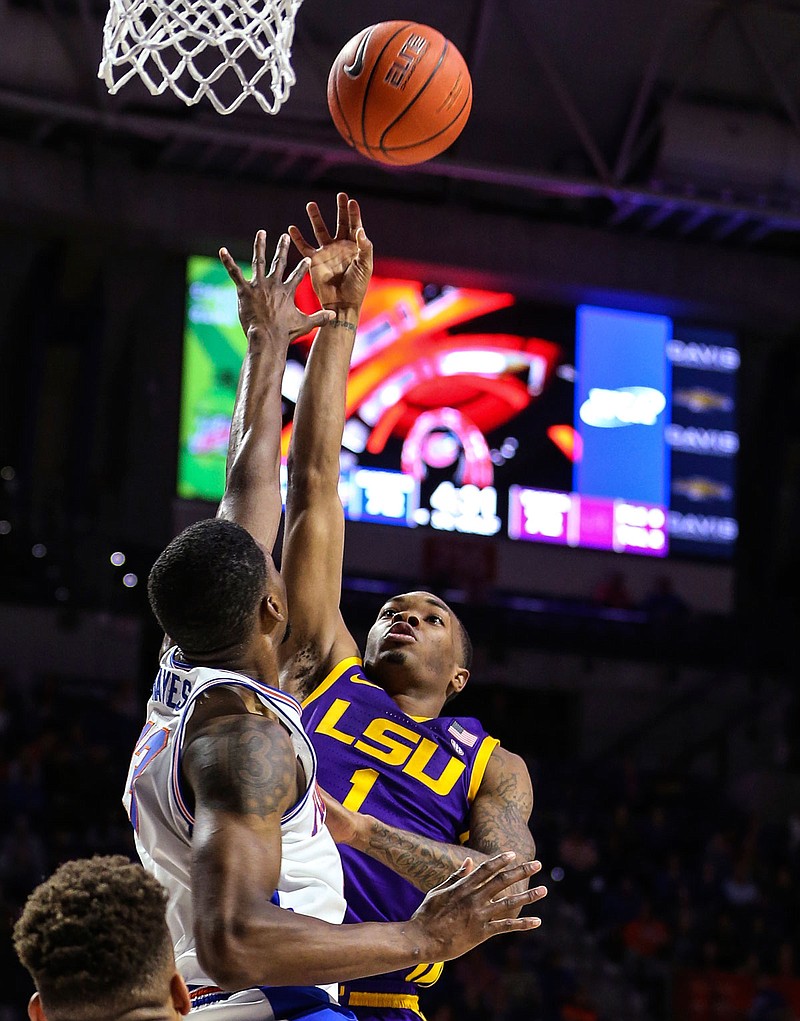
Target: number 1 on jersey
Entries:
(363, 780)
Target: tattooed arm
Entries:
(499, 821)
(502, 808)
(243, 775)
(420, 860)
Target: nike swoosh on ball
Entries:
(354, 70)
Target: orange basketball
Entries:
(399, 92)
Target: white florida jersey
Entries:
(311, 871)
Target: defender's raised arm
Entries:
(270, 321)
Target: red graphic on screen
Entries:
(567, 440)
(437, 439)
(440, 392)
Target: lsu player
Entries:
(222, 784)
(419, 791)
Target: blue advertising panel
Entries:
(622, 391)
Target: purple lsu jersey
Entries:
(416, 774)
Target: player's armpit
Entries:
(502, 808)
(303, 665)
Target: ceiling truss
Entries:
(624, 198)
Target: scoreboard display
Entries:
(477, 411)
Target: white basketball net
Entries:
(201, 48)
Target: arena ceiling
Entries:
(676, 120)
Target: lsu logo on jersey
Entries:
(391, 743)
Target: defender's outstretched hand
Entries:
(266, 301)
(342, 265)
(470, 906)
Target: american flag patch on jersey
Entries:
(464, 736)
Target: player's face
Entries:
(416, 637)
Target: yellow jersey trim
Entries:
(332, 678)
(426, 974)
(385, 1000)
(488, 745)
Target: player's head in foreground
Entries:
(94, 938)
(418, 641)
(217, 593)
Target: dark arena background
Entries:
(575, 416)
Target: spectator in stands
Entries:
(646, 936)
(612, 591)
(739, 889)
(662, 604)
(579, 1007)
(22, 858)
(578, 857)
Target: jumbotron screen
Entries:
(476, 411)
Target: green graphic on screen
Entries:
(213, 349)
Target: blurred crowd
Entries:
(64, 753)
(671, 882)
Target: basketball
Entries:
(399, 92)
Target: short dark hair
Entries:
(94, 936)
(206, 586)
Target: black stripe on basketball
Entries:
(405, 110)
(350, 140)
(369, 148)
(430, 138)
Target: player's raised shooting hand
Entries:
(341, 266)
(473, 905)
(266, 301)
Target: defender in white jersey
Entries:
(310, 878)
(222, 784)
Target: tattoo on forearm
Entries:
(343, 323)
(421, 861)
(245, 765)
(499, 823)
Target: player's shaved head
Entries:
(206, 587)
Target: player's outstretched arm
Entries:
(341, 267)
(270, 321)
(243, 774)
(418, 859)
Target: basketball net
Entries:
(201, 48)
